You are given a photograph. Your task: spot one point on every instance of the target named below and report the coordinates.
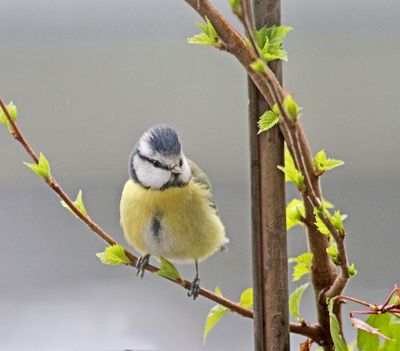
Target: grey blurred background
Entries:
(90, 76)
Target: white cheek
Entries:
(144, 147)
(186, 172)
(150, 176)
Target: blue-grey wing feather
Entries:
(199, 176)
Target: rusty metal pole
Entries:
(270, 269)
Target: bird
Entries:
(167, 207)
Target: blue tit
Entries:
(167, 208)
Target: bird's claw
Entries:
(141, 265)
(194, 288)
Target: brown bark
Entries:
(270, 269)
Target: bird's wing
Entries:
(199, 176)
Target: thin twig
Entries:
(353, 299)
(373, 308)
(395, 290)
(247, 20)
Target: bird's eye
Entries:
(180, 162)
(156, 163)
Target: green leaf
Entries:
(300, 270)
(291, 108)
(391, 330)
(367, 341)
(270, 41)
(236, 6)
(12, 110)
(359, 324)
(320, 160)
(246, 298)
(303, 265)
(267, 120)
(338, 341)
(295, 213)
(326, 204)
(208, 37)
(322, 163)
(294, 301)
(352, 270)
(213, 317)
(218, 291)
(276, 34)
(305, 257)
(292, 174)
(386, 324)
(200, 39)
(258, 66)
(332, 251)
(275, 109)
(337, 221)
(42, 169)
(322, 228)
(113, 255)
(332, 163)
(78, 203)
(168, 270)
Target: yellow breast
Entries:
(177, 223)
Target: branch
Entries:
(373, 308)
(341, 280)
(314, 332)
(52, 183)
(247, 21)
(352, 299)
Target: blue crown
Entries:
(164, 140)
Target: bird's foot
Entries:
(141, 265)
(194, 288)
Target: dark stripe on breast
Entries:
(156, 228)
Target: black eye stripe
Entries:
(155, 163)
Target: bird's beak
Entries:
(176, 169)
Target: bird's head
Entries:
(157, 161)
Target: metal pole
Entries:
(270, 269)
